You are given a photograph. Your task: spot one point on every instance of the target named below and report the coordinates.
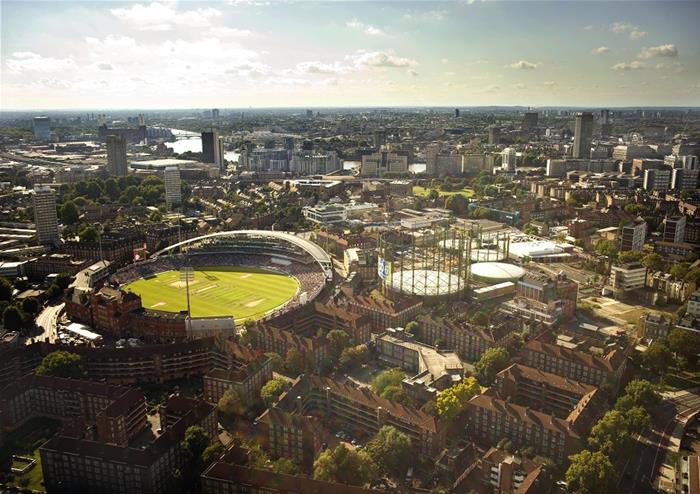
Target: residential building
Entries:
(382, 312)
(583, 135)
(657, 180)
(116, 156)
(657, 326)
(674, 229)
(632, 236)
(694, 304)
(245, 375)
(625, 278)
(45, 215)
(42, 128)
(529, 121)
(684, 179)
(213, 149)
(173, 187)
(380, 163)
(509, 159)
(505, 473)
(494, 136)
(314, 163)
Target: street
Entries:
(47, 322)
(641, 471)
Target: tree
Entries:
(344, 466)
(271, 390)
(5, 289)
(285, 466)
(61, 364)
(338, 340)
(212, 453)
(412, 327)
(69, 213)
(452, 401)
(88, 234)
(396, 394)
(62, 280)
(653, 261)
(611, 436)
(491, 362)
(354, 356)
(684, 343)
(389, 377)
(591, 473)
(31, 305)
(231, 404)
(12, 318)
(294, 362)
(679, 271)
(457, 203)
(637, 419)
(391, 450)
(606, 248)
(112, 188)
(629, 256)
(276, 362)
(638, 393)
(658, 357)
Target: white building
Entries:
(173, 186)
(694, 304)
(45, 216)
(509, 159)
(628, 277)
(382, 162)
(310, 163)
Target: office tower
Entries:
(605, 126)
(689, 162)
(555, 168)
(213, 149)
(215, 113)
(45, 217)
(456, 112)
(583, 134)
(142, 120)
(173, 187)
(494, 136)
(379, 138)
(684, 179)
(632, 236)
(289, 143)
(674, 229)
(307, 145)
(657, 180)
(42, 128)
(509, 159)
(309, 114)
(116, 156)
(529, 121)
(431, 157)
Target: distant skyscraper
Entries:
(45, 217)
(456, 112)
(42, 128)
(215, 113)
(213, 149)
(116, 156)
(494, 135)
(379, 138)
(583, 135)
(431, 157)
(509, 160)
(605, 126)
(309, 113)
(632, 236)
(529, 121)
(173, 187)
(289, 143)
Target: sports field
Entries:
(242, 292)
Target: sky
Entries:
(259, 53)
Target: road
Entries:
(643, 468)
(47, 321)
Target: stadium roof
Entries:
(313, 250)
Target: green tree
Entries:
(94, 190)
(338, 340)
(61, 364)
(457, 203)
(639, 393)
(88, 234)
(611, 436)
(658, 357)
(606, 248)
(412, 327)
(6, 289)
(591, 473)
(491, 362)
(12, 318)
(112, 188)
(62, 280)
(390, 449)
(396, 394)
(272, 390)
(285, 466)
(354, 356)
(653, 261)
(212, 453)
(344, 466)
(294, 361)
(684, 343)
(31, 305)
(680, 270)
(629, 256)
(276, 362)
(69, 213)
(452, 401)
(231, 404)
(386, 378)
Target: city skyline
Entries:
(240, 54)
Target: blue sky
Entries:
(240, 53)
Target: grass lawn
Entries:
(26, 441)
(423, 191)
(244, 293)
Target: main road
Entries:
(643, 472)
(47, 321)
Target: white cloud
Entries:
(519, 85)
(412, 72)
(365, 28)
(600, 50)
(380, 59)
(637, 34)
(623, 67)
(522, 65)
(230, 32)
(27, 61)
(621, 27)
(160, 16)
(322, 68)
(104, 66)
(551, 84)
(667, 50)
(444, 60)
(588, 27)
